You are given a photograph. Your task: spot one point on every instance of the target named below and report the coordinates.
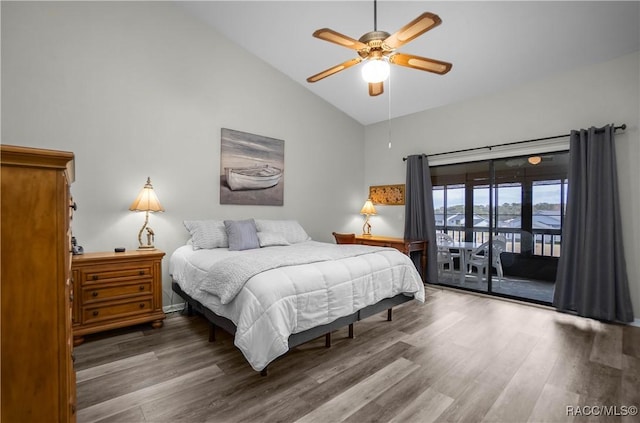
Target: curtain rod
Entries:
(404, 159)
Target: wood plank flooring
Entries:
(457, 358)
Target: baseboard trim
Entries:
(636, 322)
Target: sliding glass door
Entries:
(501, 222)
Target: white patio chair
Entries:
(445, 260)
(478, 260)
(443, 238)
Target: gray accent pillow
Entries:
(242, 234)
(206, 234)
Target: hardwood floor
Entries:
(457, 358)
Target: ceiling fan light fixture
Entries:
(534, 160)
(376, 70)
(377, 49)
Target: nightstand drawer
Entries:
(102, 292)
(115, 311)
(109, 275)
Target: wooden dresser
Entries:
(38, 379)
(407, 246)
(114, 290)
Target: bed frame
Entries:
(216, 321)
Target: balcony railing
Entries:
(546, 242)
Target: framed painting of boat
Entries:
(251, 169)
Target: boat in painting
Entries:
(257, 177)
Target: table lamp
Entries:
(147, 201)
(367, 210)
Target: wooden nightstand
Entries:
(407, 246)
(113, 290)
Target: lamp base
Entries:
(150, 235)
(366, 228)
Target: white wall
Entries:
(139, 89)
(592, 96)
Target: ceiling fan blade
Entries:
(335, 69)
(416, 27)
(375, 88)
(340, 39)
(420, 63)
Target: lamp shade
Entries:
(147, 200)
(368, 208)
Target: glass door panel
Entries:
(462, 210)
(514, 207)
(547, 199)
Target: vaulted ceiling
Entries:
(493, 45)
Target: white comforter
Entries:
(278, 302)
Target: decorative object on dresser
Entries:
(367, 210)
(388, 195)
(114, 290)
(147, 201)
(406, 246)
(75, 248)
(38, 379)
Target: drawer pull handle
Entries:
(73, 205)
(141, 287)
(94, 293)
(141, 305)
(95, 277)
(141, 272)
(95, 312)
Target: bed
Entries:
(272, 287)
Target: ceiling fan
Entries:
(378, 49)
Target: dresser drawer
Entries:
(107, 275)
(116, 311)
(104, 291)
(380, 244)
(376, 243)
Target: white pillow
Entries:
(271, 239)
(290, 229)
(206, 234)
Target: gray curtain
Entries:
(419, 219)
(592, 276)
